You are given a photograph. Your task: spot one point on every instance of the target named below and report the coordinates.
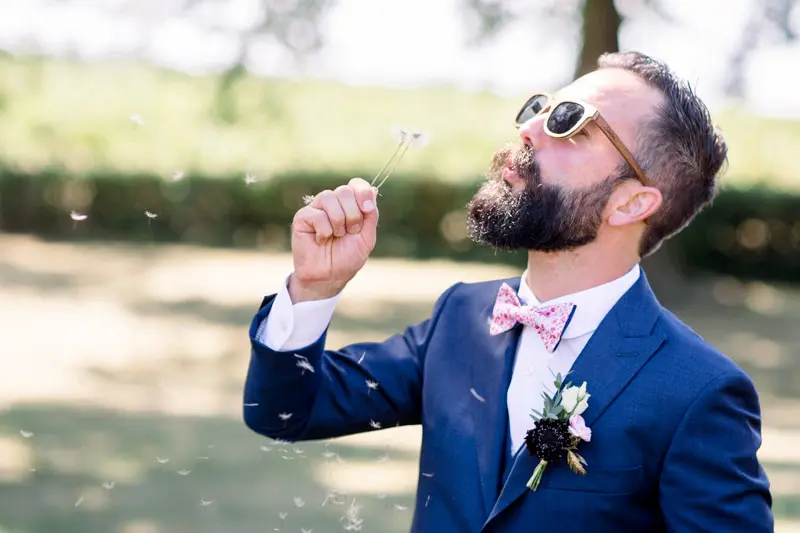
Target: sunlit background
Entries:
(153, 152)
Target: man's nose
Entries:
(532, 132)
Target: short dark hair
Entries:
(680, 150)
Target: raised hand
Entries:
(332, 238)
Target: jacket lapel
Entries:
(492, 363)
(620, 346)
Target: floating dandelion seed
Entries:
(80, 501)
(339, 459)
(251, 405)
(328, 455)
(427, 500)
(304, 364)
(26, 434)
(77, 217)
(298, 451)
(283, 515)
(383, 459)
(307, 199)
(477, 396)
(363, 355)
(206, 503)
(249, 179)
(427, 475)
(137, 119)
(280, 442)
(150, 216)
(285, 416)
(381, 496)
(178, 175)
(265, 448)
(108, 485)
(303, 530)
(287, 457)
(184, 472)
(371, 385)
(374, 424)
(162, 460)
(299, 502)
(203, 457)
(210, 446)
(400, 507)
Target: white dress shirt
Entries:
(289, 327)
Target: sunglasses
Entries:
(569, 117)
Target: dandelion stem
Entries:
(391, 169)
(399, 145)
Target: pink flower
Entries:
(577, 427)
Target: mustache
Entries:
(522, 158)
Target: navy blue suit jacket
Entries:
(675, 424)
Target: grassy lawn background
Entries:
(117, 358)
(79, 116)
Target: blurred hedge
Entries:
(750, 233)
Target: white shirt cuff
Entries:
(289, 327)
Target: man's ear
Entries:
(639, 205)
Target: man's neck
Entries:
(552, 275)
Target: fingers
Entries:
(312, 220)
(347, 206)
(365, 194)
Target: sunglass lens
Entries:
(531, 108)
(564, 117)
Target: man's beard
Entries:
(542, 217)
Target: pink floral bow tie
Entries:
(550, 322)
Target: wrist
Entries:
(305, 291)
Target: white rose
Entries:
(575, 400)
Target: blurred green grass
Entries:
(78, 115)
(148, 360)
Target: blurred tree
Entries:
(293, 25)
(600, 22)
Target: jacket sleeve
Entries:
(314, 393)
(712, 479)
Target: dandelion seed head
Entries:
(78, 217)
(285, 416)
(283, 515)
(371, 384)
(162, 460)
(399, 133)
(374, 424)
(250, 179)
(419, 139)
(206, 503)
(150, 214)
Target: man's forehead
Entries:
(621, 97)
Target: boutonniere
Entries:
(558, 430)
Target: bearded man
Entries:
(666, 430)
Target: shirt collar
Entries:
(592, 305)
